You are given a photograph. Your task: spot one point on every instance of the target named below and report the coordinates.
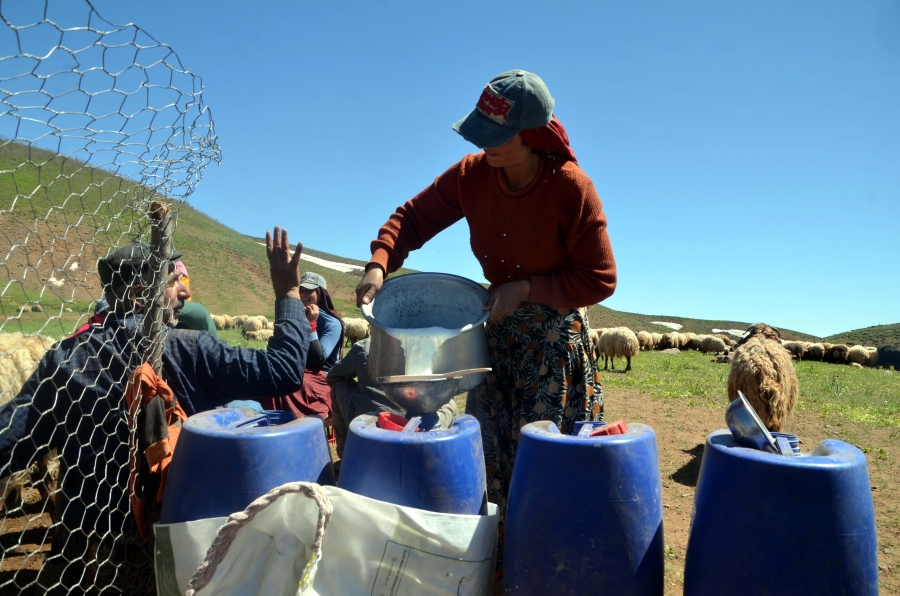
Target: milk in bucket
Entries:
(420, 346)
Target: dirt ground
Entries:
(681, 432)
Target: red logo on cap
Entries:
(494, 106)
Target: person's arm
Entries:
(409, 228)
(591, 275)
(345, 368)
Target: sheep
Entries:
(727, 339)
(258, 334)
(358, 329)
(657, 337)
(645, 340)
(856, 365)
(857, 355)
(797, 349)
(26, 308)
(218, 321)
(762, 370)
(838, 354)
(889, 356)
(270, 326)
(668, 340)
(618, 342)
(227, 322)
(252, 324)
(815, 352)
(263, 321)
(238, 321)
(694, 343)
(713, 344)
(873, 357)
(20, 355)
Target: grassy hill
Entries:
(56, 211)
(877, 335)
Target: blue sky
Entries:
(748, 154)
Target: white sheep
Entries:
(355, 330)
(252, 324)
(711, 343)
(20, 355)
(645, 340)
(257, 335)
(618, 342)
(862, 355)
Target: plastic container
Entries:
(440, 470)
(773, 524)
(225, 459)
(585, 514)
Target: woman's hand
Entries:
(506, 299)
(369, 285)
(312, 312)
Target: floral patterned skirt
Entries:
(542, 370)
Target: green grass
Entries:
(865, 395)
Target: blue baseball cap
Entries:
(513, 101)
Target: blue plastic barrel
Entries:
(786, 525)
(226, 458)
(585, 514)
(439, 470)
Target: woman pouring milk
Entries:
(538, 229)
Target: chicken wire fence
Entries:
(96, 121)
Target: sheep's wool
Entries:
(420, 346)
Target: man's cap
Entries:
(311, 281)
(101, 306)
(122, 264)
(513, 101)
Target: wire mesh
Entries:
(96, 121)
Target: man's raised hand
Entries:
(284, 270)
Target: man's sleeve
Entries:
(244, 373)
(25, 430)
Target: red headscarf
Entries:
(551, 139)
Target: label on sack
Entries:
(404, 570)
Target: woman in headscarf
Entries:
(326, 345)
(538, 229)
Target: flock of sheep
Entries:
(621, 342)
(259, 328)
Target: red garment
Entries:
(552, 232)
(313, 399)
(551, 138)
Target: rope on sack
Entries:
(222, 542)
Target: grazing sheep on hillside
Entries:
(873, 357)
(257, 335)
(358, 329)
(815, 352)
(618, 342)
(694, 343)
(218, 321)
(827, 347)
(797, 349)
(838, 354)
(889, 356)
(667, 341)
(645, 340)
(762, 370)
(858, 355)
(728, 341)
(263, 321)
(228, 322)
(713, 344)
(656, 337)
(252, 324)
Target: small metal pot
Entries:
(420, 300)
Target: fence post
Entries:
(161, 248)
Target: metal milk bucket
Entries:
(420, 300)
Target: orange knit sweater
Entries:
(552, 232)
